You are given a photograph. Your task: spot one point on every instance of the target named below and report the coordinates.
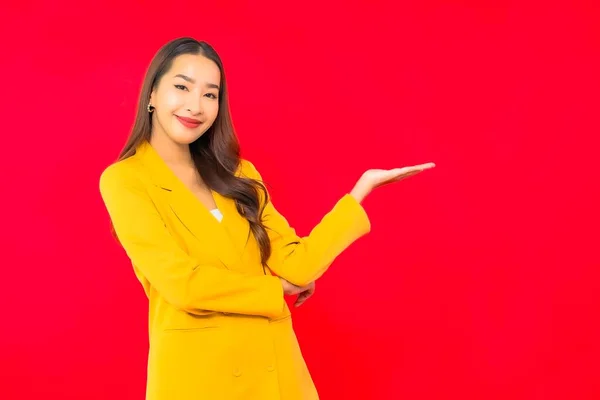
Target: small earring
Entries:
(150, 108)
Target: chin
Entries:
(186, 137)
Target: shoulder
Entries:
(248, 169)
(124, 173)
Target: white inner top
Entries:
(217, 213)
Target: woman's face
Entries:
(186, 100)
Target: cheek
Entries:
(171, 100)
(212, 110)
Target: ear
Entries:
(152, 95)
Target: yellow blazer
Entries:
(219, 327)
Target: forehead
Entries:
(197, 67)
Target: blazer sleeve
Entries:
(301, 260)
(186, 284)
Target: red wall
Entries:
(480, 279)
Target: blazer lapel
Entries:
(226, 238)
(236, 227)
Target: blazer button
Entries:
(237, 372)
(270, 368)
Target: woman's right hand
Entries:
(303, 292)
(289, 289)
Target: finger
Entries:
(409, 171)
(413, 168)
(425, 166)
(399, 176)
(420, 167)
(305, 294)
(303, 297)
(406, 175)
(401, 172)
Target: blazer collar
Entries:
(227, 238)
(161, 174)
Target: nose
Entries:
(194, 106)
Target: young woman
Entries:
(212, 253)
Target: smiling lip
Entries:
(189, 122)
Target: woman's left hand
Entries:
(375, 178)
(309, 290)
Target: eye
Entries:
(211, 95)
(180, 87)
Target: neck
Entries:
(172, 153)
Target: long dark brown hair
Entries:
(216, 153)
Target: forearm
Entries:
(303, 260)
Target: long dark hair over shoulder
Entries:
(216, 153)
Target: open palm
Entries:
(380, 177)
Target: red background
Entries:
(480, 278)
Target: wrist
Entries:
(359, 191)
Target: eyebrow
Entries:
(192, 81)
